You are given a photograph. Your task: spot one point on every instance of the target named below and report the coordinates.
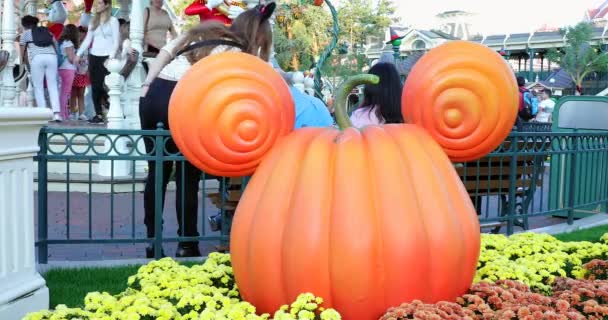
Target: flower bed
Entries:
(166, 290)
(510, 300)
(535, 259)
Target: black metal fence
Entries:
(532, 175)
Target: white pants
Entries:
(45, 65)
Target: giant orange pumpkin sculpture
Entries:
(366, 218)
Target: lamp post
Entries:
(396, 50)
(395, 41)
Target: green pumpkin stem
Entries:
(342, 96)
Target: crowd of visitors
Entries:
(533, 106)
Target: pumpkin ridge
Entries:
(289, 193)
(303, 259)
(395, 132)
(467, 217)
(255, 187)
(331, 195)
(265, 266)
(351, 239)
(452, 221)
(435, 152)
(374, 204)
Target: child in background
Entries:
(81, 81)
(68, 44)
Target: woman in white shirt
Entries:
(251, 33)
(104, 34)
(68, 44)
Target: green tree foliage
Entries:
(301, 33)
(361, 18)
(341, 67)
(358, 19)
(578, 57)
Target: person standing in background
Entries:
(310, 110)
(545, 107)
(156, 25)
(81, 81)
(382, 101)
(250, 33)
(68, 44)
(103, 38)
(42, 60)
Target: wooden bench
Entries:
(491, 176)
(228, 195)
(226, 200)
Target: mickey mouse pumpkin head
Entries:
(371, 218)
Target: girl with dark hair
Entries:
(382, 101)
(103, 38)
(81, 80)
(69, 42)
(250, 33)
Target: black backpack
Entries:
(42, 37)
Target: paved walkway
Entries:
(105, 225)
(123, 225)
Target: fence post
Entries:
(22, 289)
(136, 79)
(43, 209)
(114, 145)
(512, 184)
(159, 149)
(572, 184)
(9, 32)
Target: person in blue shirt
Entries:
(310, 111)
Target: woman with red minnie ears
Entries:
(220, 10)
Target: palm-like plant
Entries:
(578, 57)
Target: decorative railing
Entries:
(530, 177)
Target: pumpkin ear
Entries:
(228, 111)
(465, 95)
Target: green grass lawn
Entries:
(70, 286)
(593, 234)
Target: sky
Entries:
(498, 16)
